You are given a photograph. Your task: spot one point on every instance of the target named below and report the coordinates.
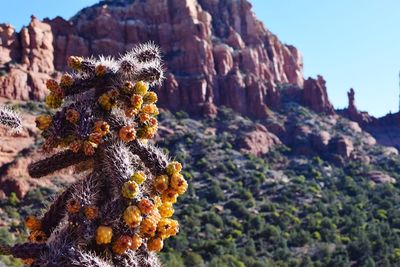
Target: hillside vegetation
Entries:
(285, 208)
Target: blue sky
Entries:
(351, 43)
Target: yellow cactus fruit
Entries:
(128, 87)
(140, 88)
(43, 122)
(132, 216)
(75, 146)
(127, 134)
(136, 242)
(33, 223)
(91, 212)
(144, 117)
(100, 70)
(149, 109)
(150, 97)
(136, 101)
(157, 201)
(174, 167)
(72, 115)
(89, 148)
(75, 62)
(122, 244)
(37, 236)
(148, 227)
(52, 85)
(153, 122)
(147, 132)
(167, 227)
(178, 183)
(169, 195)
(130, 190)
(155, 244)
(161, 183)
(96, 138)
(145, 206)
(105, 102)
(53, 101)
(130, 112)
(138, 177)
(103, 235)
(66, 81)
(73, 206)
(155, 216)
(101, 127)
(166, 210)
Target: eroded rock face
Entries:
(351, 112)
(342, 146)
(315, 96)
(216, 52)
(320, 141)
(259, 141)
(26, 60)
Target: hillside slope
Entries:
(320, 200)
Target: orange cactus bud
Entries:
(127, 134)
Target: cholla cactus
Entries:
(10, 118)
(120, 214)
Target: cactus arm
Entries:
(85, 84)
(56, 212)
(152, 157)
(24, 251)
(54, 163)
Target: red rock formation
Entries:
(216, 52)
(320, 141)
(342, 146)
(259, 141)
(26, 59)
(362, 118)
(315, 96)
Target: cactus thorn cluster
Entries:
(10, 118)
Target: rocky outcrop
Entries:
(342, 146)
(315, 96)
(259, 141)
(351, 112)
(380, 177)
(216, 52)
(26, 60)
(320, 141)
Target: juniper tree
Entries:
(120, 213)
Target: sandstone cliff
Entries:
(216, 53)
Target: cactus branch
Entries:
(56, 212)
(54, 163)
(28, 250)
(152, 157)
